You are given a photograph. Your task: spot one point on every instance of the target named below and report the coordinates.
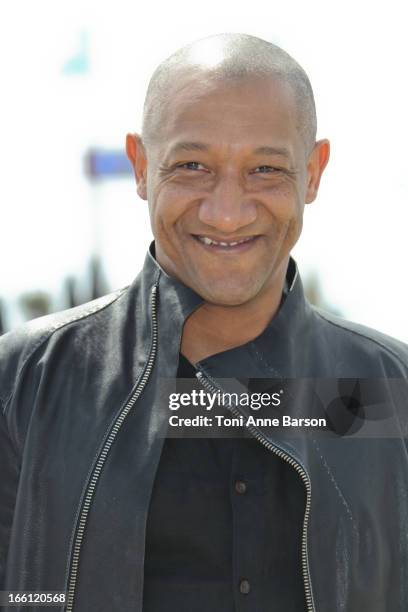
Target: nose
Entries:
(227, 208)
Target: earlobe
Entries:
(141, 189)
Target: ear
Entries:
(137, 157)
(317, 162)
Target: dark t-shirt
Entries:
(224, 528)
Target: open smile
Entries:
(222, 245)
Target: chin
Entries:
(227, 296)
(226, 301)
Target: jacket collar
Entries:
(278, 351)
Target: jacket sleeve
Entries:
(9, 473)
(15, 348)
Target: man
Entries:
(95, 499)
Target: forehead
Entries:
(242, 113)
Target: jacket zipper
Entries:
(87, 500)
(301, 471)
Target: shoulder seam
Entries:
(6, 425)
(361, 335)
(48, 333)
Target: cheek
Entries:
(283, 203)
(167, 205)
(285, 206)
(294, 230)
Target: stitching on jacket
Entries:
(3, 403)
(361, 335)
(265, 362)
(3, 416)
(336, 486)
(54, 328)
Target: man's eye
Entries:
(265, 169)
(191, 166)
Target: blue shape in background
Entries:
(107, 164)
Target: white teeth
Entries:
(209, 242)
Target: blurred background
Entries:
(73, 79)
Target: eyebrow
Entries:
(267, 150)
(200, 146)
(189, 146)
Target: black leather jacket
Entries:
(82, 427)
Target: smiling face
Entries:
(226, 183)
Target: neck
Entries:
(214, 328)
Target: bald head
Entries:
(228, 57)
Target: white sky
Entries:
(355, 234)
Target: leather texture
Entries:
(65, 378)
